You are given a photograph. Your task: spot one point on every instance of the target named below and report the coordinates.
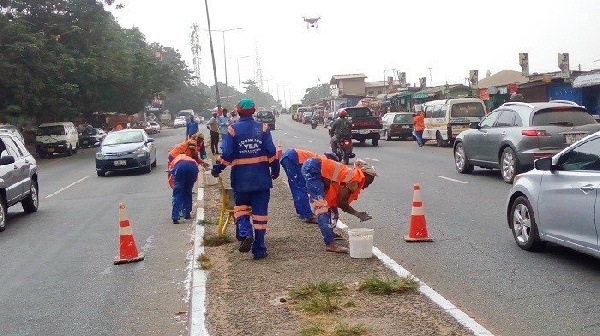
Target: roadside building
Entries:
(441, 92)
(589, 84)
(347, 90)
(494, 90)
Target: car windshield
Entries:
(89, 131)
(359, 112)
(51, 130)
(562, 117)
(123, 138)
(403, 118)
(465, 110)
(265, 114)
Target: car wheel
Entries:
(32, 201)
(524, 228)
(460, 160)
(153, 163)
(101, 173)
(439, 140)
(75, 150)
(147, 169)
(508, 165)
(375, 142)
(2, 213)
(70, 151)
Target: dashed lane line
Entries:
(451, 179)
(67, 187)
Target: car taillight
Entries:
(531, 132)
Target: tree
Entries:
(316, 93)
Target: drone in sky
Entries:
(311, 22)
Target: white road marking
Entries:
(376, 160)
(67, 187)
(434, 296)
(452, 180)
(200, 194)
(295, 136)
(199, 276)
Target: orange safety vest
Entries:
(336, 171)
(331, 194)
(183, 148)
(179, 157)
(304, 155)
(419, 122)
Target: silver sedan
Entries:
(557, 201)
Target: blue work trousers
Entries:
(311, 170)
(185, 174)
(297, 183)
(419, 137)
(256, 203)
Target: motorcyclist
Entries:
(341, 128)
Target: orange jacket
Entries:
(419, 121)
(184, 148)
(180, 157)
(356, 185)
(304, 155)
(341, 176)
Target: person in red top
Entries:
(419, 126)
(332, 185)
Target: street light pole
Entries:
(223, 31)
(212, 54)
(238, 69)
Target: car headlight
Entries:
(142, 151)
(100, 155)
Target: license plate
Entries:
(50, 150)
(120, 162)
(572, 138)
(363, 132)
(85, 142)
(405, 126)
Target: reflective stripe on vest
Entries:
(335, 171)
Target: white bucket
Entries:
(209, 180)
(361, 243)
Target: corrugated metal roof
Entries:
(502, 78)
(336, 78)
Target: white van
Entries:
(58, 137)
(445, 119)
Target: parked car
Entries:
(129, 149)
(12, 129)
(397, 124)
(91, 137)
(18, 177)
(306, 117)
(558, 201)
(266, 117)
(58, 137)
(445, 119)
(515, 134)
(179, 122)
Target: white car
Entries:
(155, 127)
(179, 122)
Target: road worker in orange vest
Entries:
(189, 148)
(184, 171)
(332, 185)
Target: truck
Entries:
(364, 124)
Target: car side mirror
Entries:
(149, 140)
(6, 160)
(474, 125)
(544, 163)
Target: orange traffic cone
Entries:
(128, 252)
(279, 152)
(417, 231)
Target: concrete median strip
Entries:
(197, 322)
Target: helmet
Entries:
(343, 114)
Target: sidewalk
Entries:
(247, 297)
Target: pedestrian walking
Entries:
(291, 162)
(332, 185)
(249, 149)
(223, 121)
(419, 126)
(213, 127)
(191, 127)
(185, 174)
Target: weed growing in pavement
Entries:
(378, 285)
(207, 221)
(204, 261)
(313, 330)
(217, 240)
(346, 330)
(321, 297)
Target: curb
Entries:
(447, 306)
(197, 321)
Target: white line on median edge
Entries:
(451, 179)
(434, 296)
(67, 187)
(198, 307)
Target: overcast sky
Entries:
(450, 37)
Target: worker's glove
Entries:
(363, 216)
(215, 171)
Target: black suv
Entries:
(18, 177)
(266, 117)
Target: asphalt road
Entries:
(473, 261)
(56, 265)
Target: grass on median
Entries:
(321, 297)
(204, 261)
(337, 330)
(217, 240)
(207, 222)
(387, 286)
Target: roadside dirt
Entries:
(244, 296)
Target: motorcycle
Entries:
(344, 149)
(314, 122)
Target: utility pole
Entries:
(430, 76)
(212, 55)
(223, 31)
